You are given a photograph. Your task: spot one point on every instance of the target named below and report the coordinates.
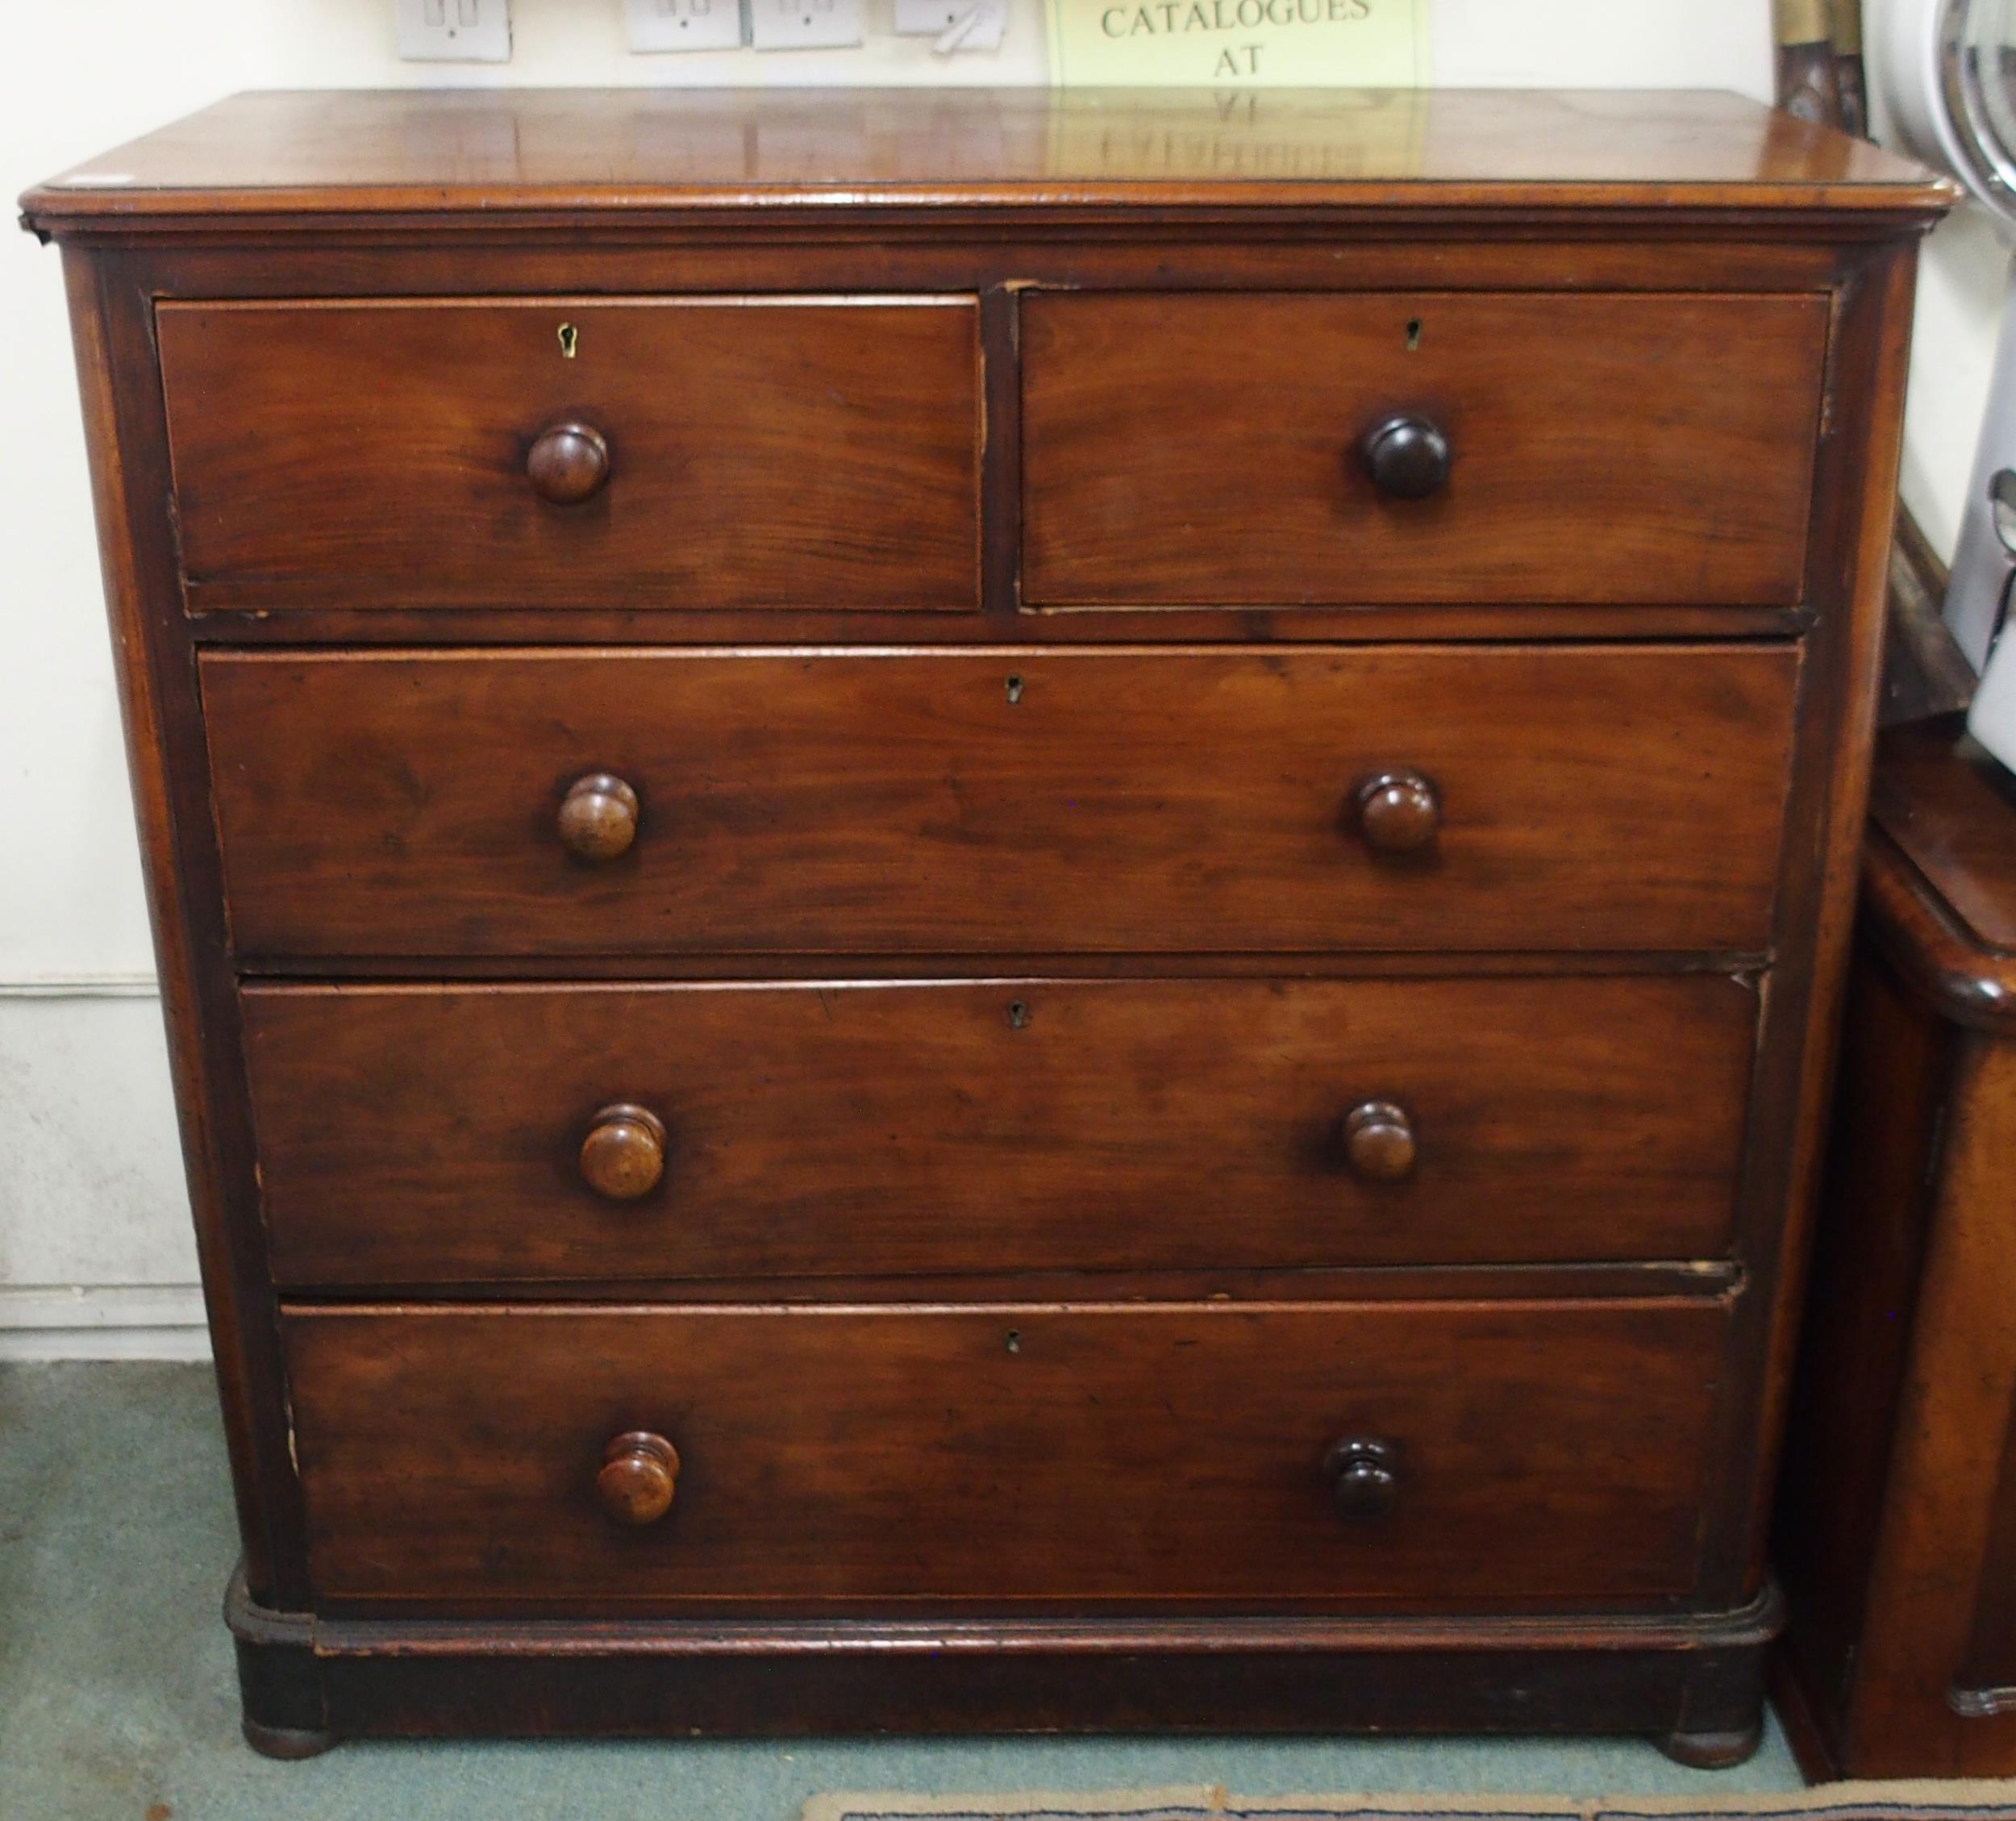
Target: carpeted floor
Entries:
(117, 1702)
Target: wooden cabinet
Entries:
(1897, 1526)
(964, 928)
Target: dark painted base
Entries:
(1712, 1751)
(1695, 1682)
(286, 1742)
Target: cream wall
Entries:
(1961, 283)
(94, 1254)
(1962, 280)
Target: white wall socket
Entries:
(959, 25)
(804, 25)
(683, 25)
(453, 30)
(927, 18)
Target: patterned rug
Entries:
(1839, 1802)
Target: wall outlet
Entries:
(803, 25)
(958, 25)
(929, 18)
(685, 25)
(453, 30)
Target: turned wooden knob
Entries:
(1379, 1141)
(639, 1474)
(1363, 1472)
(598, 816)
(623, 1155)
(567, 463)
(1398, 812)
(1407, 457)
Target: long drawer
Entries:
(1419, 447)
(576, 452)
(432, 1135)
(870, 802)
(1411, 1454)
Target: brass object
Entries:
(1802, 22)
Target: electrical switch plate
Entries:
(982, 21)
(958, 25)
(928, 18)
(683, 25)
(795, 25)
(454, 30)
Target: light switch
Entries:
(683, 25)
(453, 30)
(804, 25)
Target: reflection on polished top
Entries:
(372, 153)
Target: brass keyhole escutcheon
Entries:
(569, 340)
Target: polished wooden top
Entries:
(1940, 876)
(298, 159)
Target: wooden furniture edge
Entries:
(1692, 1681)
(1114, 212)
(1941, 962)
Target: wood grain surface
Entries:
(1026, 1453)
(1158, 800)
(638, 152)
(761, 452)
(1198, 449)
(425, 1136)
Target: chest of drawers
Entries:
(984, 911)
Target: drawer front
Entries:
(418, 1134)
(1038, 802)
(1531, 1451)
(752, 453)
(1211, 448)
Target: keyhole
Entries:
(1014, 1340)
(1413, 336)
(1017, 1015)
(1015, 690)
(569, 340)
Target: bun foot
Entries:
(288, 1742)
(1712, 1751)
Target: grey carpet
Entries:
(117, 1702)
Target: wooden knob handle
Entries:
(1379, 1141)
(639, 1474)
(1363, 1472)
(1399, 812)
(567, 463)
(1407, 457)
(623, 1155)
(598, 816)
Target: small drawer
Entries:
(1429, 1455)
(1409, 449)
(421, 1134)
(1025, 801)
(575, 452)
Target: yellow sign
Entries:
(1239, 44)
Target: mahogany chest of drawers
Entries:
(984, 910)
